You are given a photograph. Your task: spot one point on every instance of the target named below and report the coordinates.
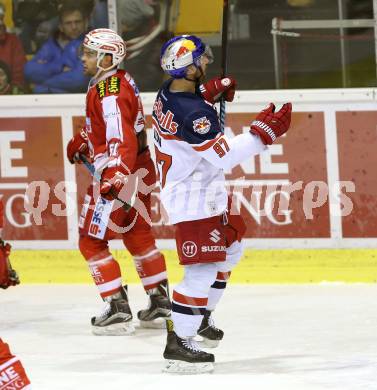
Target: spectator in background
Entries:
(136, 20)
(97, 13)
(56, 67)
(100, 16)
(135, 16)
(6, 85)
(28, 15)
(12, 52)
(43, 32)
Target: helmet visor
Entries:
(208, 54)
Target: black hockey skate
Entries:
(183, 356)
(211, 335)
(116, 320)
(158, 309)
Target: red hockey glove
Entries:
(270, 124)
(112, 182)
(8, 276)
(214, 89)
(77, 144)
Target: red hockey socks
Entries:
(151, 268)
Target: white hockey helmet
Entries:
(105, 41)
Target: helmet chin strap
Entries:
(100, 57)
(193, 81)
(197, 79)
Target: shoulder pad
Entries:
(110, 86)
(132, 83)
(200, 126)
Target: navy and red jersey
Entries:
(192, 153)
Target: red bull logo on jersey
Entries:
(165, 121)
(201, 125)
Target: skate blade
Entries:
(121, 329)
(207, 343)
(185, 368)
(158, 323)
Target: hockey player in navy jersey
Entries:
(191, 155)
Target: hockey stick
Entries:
(224, 55)
(97, 177)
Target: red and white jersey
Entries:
(192, 153)
(114, 116)
(1, 217)
(12, 373)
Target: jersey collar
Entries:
(103, 77)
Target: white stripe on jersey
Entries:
(112, 118)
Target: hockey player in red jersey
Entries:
(115, 140)
(8, 276)
(191, 155)
(12, 373)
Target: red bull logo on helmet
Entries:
(186, 47)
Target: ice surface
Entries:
(276, 337)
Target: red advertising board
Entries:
(357, 146)
(282, 194)
(294, 161)
(297, 158)
(31, 150)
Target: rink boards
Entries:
(295, 266)
(329, 153)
